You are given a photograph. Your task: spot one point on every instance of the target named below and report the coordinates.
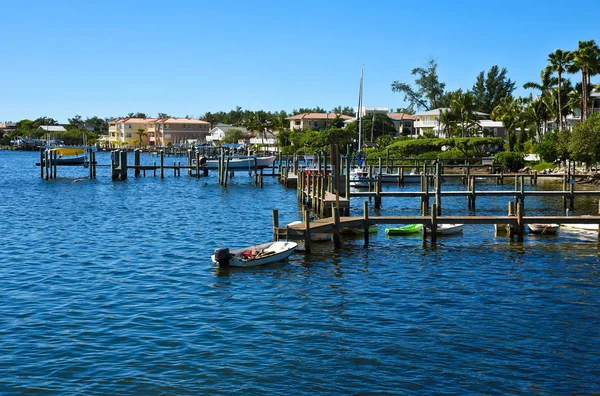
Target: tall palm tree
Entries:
(507, 111)
(463, 106)
(559, 60)
(585, 60)
(141, 132)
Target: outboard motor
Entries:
(204, 166)
(222, 257)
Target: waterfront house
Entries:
(404, 123)
(156, 131)
(180, 130)
(316, 121)
(52, 128)
(218, 132)
(430, 121)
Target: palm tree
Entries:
(447, 119)
(585, 59)
(559, 60)
(463, 106)
(507, 111)
(141, 132)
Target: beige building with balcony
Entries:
(314, 120)
(155, 131)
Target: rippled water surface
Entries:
(108, 288)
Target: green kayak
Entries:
(407, 229)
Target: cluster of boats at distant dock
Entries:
(273, 252)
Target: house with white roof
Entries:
(52, 128)
(218, 132)
(431, 120)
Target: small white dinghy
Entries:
(253, 256)
(449, 229)
(547, 229)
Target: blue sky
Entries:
(109, 58)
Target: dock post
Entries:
(336, 227)
(347, 192)
(366, 223)
(226, 172)
(307, 230)
(401, 176)
(379, 170)
(94, 163)
(433, 224)
(42, 163)
(378, 192)
(387, 160)
(279, 167)
(255, 171)
(520, 227)
(522, 191)
(261, 178)
(154, 167)
(189, 162)
(124, 165)
(47, 163)
(54, 164)
(438, 187)
(162, 164)
(424, 214)
(174, 168)
(136, 162)
(197, 165)
(572, 193)
(275, 224)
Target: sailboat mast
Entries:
(359, 112)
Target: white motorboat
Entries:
(359, 177)
(449, 229)
(539, 228)
(582, 226)
(243, 162)
(253, 256)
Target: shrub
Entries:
(510, 160)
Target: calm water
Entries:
(107, 288)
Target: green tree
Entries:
(428, 89)
(584, 143)
(490, 89)
(233, 136)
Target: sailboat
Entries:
(359, 175)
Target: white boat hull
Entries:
(449, 229)
(244, 163)
(547, 229)
(586, 227)
(258, 255)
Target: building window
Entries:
(127, 125)
(297, 122)
(128, 135)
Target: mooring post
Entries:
(275, 224)
(55, 164)
(225, 172)
(348, 158)
(336, 227)
(401, 175)
(387, 160)
(433, 224)
(280, 167)
(378, 192)
(438, 187)
(307, 230)
(42, 163)
(424, 214)
(520, 227)
(136, 163)
(522, 189)
(261, 178)
(572, 193)
(124, 165)
(366, 223)
(47, 163)
(162, 164)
